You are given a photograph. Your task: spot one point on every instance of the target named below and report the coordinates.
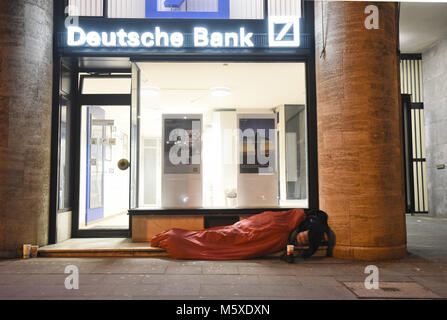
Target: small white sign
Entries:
(284, 32)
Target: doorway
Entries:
(105, 142)
(104, 155)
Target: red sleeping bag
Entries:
(256, 236)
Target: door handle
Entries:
(123, 164)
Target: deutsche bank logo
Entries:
(284, 32)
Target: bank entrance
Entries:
(182, 123)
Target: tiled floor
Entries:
(423, 273)
(118, 221)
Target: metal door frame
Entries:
(94, 100)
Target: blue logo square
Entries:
(188, 9)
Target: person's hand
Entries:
(303, 238)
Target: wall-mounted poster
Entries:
(188, 9)
(182, 146)
(257, 141)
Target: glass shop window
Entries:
(64, 189)
(223, 135)
(183, 9)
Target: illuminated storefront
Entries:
(182, 114)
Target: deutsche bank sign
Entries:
(282, 32)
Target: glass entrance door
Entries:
(96, 136)
(105, 154)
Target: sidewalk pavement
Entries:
(421, 275)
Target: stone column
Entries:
(26, 34)
(361, 175)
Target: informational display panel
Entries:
(182, 161)
(257, 145)
(182, 146)
(257, 176)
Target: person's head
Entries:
(315, 236)
(316, 224)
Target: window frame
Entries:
(68, 159)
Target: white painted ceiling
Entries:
(422, 24)
(186, 86)
(185, 89)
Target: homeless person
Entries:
(257, 236)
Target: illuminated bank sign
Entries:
(77, 37)
(282, 32)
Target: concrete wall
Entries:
(64, 223)
(435, 104)
(26, 28)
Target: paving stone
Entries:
(278, 280)
(267, 270)
(10, 279)
(122, 269)
(329, 270)
(12, 290)
(413, 269)
(34, 291)
(104, 290)
(220, 269)
(315, 281)
(131, 291)
(430, 281)
(179, 290)
(184, 269)
(436, 284)
(229, 279)
(256, 290)
(382, 277)
(175, 279)
(323, 293)
(390, 290)
(122, 279)
(42, 279)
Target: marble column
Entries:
(361, 175)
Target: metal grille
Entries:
(413, 108)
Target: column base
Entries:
(370, 253)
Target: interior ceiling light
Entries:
(151, 91)
(220, 91)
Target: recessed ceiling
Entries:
(422, 24)
(187, 86)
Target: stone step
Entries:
(114, 247)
